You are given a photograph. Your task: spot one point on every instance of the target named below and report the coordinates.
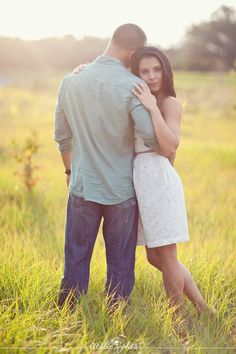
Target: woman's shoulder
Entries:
(169, 102)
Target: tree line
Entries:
(207, 46)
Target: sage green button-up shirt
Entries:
(95, 117)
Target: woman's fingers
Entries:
(142, 87)
(145, 87)
(138, 88)
(136, 92)
(79, 68)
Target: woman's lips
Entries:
(154, 83)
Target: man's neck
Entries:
(117, 54)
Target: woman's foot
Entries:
(181, 329)
(208, 311)
(181, 323)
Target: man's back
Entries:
(95, 114)
(96, 105)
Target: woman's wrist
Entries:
(154, 110)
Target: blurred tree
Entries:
(48, 53)
(208, 46)
(211, 45)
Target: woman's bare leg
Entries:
(173, 277)
(190, 289)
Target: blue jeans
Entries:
(120, 236)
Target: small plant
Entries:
(24, 155)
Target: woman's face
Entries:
(150, 70)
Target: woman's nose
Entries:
(151, 76)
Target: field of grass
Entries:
(32, 233)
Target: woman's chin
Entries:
(155, 92)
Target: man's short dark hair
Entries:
(129, 36)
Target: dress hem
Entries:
(161, 243)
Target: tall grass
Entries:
(32, 235)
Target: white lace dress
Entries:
(159, 191)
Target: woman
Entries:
(158, 187)
(163, 220)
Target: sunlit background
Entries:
(40, 42)
(164, 22)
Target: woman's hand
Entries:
(79, 68)
(143, 93)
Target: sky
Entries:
(164, 22)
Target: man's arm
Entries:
(62, 133)
(143, 124)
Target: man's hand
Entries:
(67, 180)
(66, 158)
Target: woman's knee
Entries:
(153, 258)
(167, 254)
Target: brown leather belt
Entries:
(143, 152)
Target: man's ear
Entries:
(131, 53)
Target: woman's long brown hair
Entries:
(167, 73)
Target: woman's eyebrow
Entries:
(155, 67)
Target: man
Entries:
(94, 125)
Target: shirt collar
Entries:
(108, 60)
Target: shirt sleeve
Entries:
(62, 130)
(143, 123)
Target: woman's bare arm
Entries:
(166, 123)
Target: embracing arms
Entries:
(166, 122)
